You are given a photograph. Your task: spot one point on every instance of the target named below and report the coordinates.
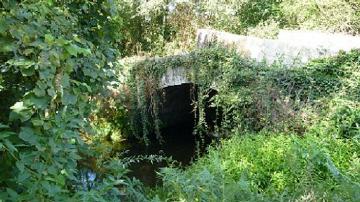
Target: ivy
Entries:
(204, 68)
(251, 96)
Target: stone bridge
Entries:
(290, 48)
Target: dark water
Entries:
(177, 115)
(179, 144)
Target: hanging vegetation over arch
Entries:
(252, 95)
(69, 109)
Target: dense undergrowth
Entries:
(288, 133)
(56, 60)
(291, 133)
(270, 167)
(251, 96)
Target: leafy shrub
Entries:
(55, 58)
(323, 14)
(251, 95)
(267, 167)
(347, 120)
(267, 29)
(283, 127)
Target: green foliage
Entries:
(273, 167)
(251, 96)
(55, 58)
(202, 67)
(293, 132)
(238, 16)
(57, 62)
(347, 121)
(323, 15)
(175, 27)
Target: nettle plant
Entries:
(55, 57)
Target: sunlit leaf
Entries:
(49, 39)
(18, 107)
(73, 49)
(23, 115)
(21, 62)
(28, 51)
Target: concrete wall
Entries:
(291, 47)
(173, 77)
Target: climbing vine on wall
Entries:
(251, 96)
(204, 68)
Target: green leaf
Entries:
(19, 111)
(39, 92)
(6, 134)
(13, 194)
(74, 50)
(65, 81)
(46, 73)
(40, 88)
(90, 72)
(10, 146)
(18, 107)
(38, 102)
(6, 45)
(51, 92)
(27, 71)
(28, 135)
(37, 122)
(61, 41)
(23, 176)
(76, 38)
(3, 25)
(3, 126)
(85, 51)
(20, 166)
(28, 51)
(69, 99)
(21, 62)
(81, 84)
(49, 39)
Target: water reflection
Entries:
(87, 179)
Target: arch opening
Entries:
(178, 117)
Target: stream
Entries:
(179, 144)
